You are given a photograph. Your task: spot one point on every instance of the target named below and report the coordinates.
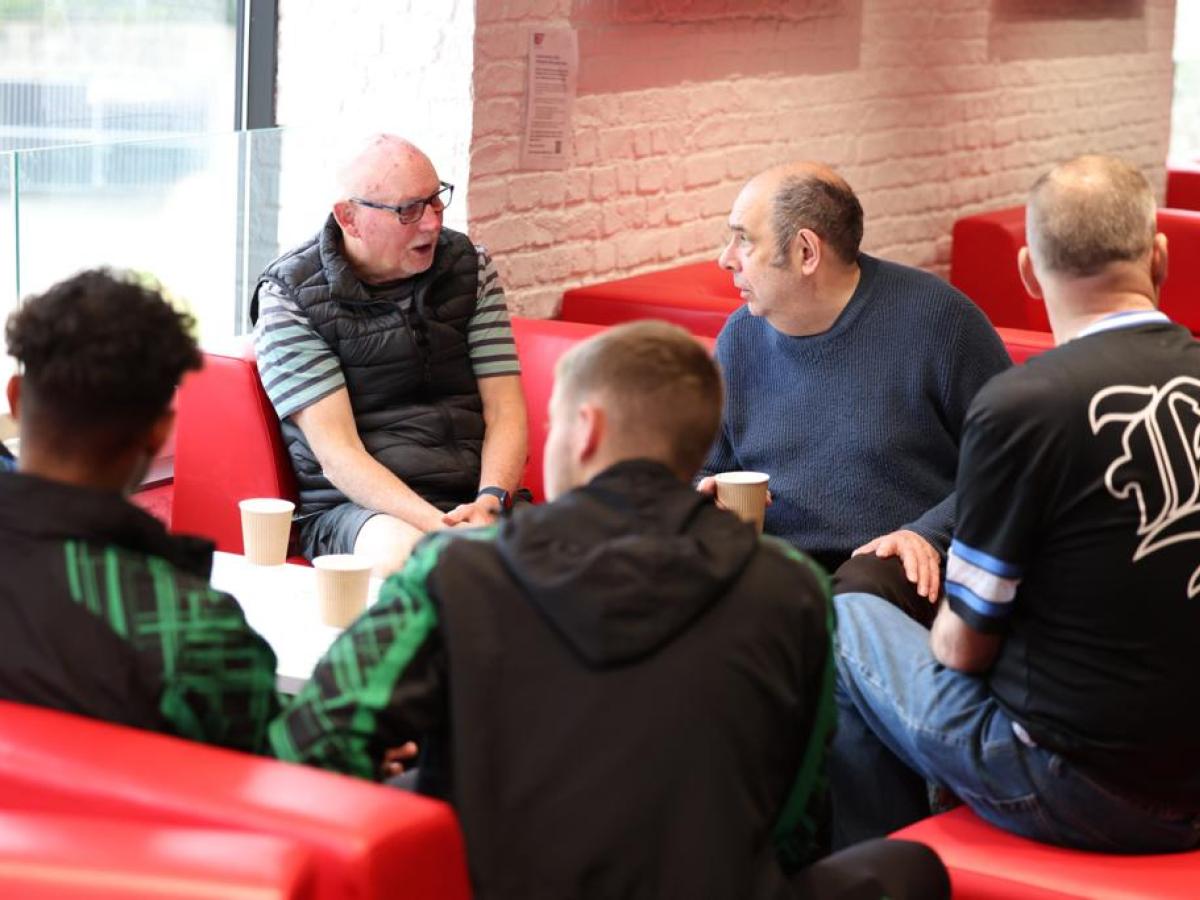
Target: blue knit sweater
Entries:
(858, 426)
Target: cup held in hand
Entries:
(266, 527)
(744, 494)
(343, 580)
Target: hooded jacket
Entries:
(616, 691)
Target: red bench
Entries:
(1183, 185)
(983, 265)
(228, 447)
(698, 297)
(366, 841)
(228, 443)
(540, 344)
(986, 863)
(54, 857)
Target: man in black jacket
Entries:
(625, 692)
(102, 613)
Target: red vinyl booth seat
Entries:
(986, 863)
(983, 265)
(52, 857)
(366, 841)
(698, 297)
(227, 447)
(1183, 185)
(1022, 344)
(540, 344)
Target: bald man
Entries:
(385, 347)
(848, 378)
(1058, 690)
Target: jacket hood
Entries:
(621, 565)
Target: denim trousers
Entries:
(905, 720)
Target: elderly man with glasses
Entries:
(385, 347)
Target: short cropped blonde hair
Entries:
(1087, 213)
(660, 389)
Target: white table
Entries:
(280, 603)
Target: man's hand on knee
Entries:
(483, 511)
(922, 563)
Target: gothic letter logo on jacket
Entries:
(1159, 460)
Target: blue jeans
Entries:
(904, 719)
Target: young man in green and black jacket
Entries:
(625, 692)
(102, 613)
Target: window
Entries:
(1185, 110)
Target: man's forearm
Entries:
(505, 442)
(372, 485)
(958, 646)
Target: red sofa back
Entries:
(367, 841)
(55, 857)
(699, 297)
(983, 265)
(1183, 186)
(540, 343)
(227, 447)
(986, 863)
(1022, 344)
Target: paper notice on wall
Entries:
(549, 98)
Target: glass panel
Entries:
(79, 71)
(166, 209)
(8, 277)
(1185, 113)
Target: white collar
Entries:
(1129, 319)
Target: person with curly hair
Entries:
(102, 613)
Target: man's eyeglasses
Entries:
(408, 213)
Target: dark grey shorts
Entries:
(332, 531)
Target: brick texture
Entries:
(352, 68)
(932, 111)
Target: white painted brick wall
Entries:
(355, 67)
(931, 111)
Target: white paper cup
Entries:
(266, 527)
(342, 583)
(744, 494)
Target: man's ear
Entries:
(591, 423)
(1158, 260)
(1028, 276)
(807, 250)
(343, 214)
(158, 433)
(13, 393)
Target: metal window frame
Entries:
(257, 44)
(254, 108)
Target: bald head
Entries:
(385, 161)
(1088, 213)
(813, 196)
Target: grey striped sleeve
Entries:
(296, 366)
(489, 334)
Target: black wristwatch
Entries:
(499, 493)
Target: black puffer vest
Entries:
(405, 359)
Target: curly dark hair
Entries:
(100, 352)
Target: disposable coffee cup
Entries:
(342, 583)
(266, 527)
(744, 494)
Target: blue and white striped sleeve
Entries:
(1001, 494)
(980, 587)
(297, 367)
